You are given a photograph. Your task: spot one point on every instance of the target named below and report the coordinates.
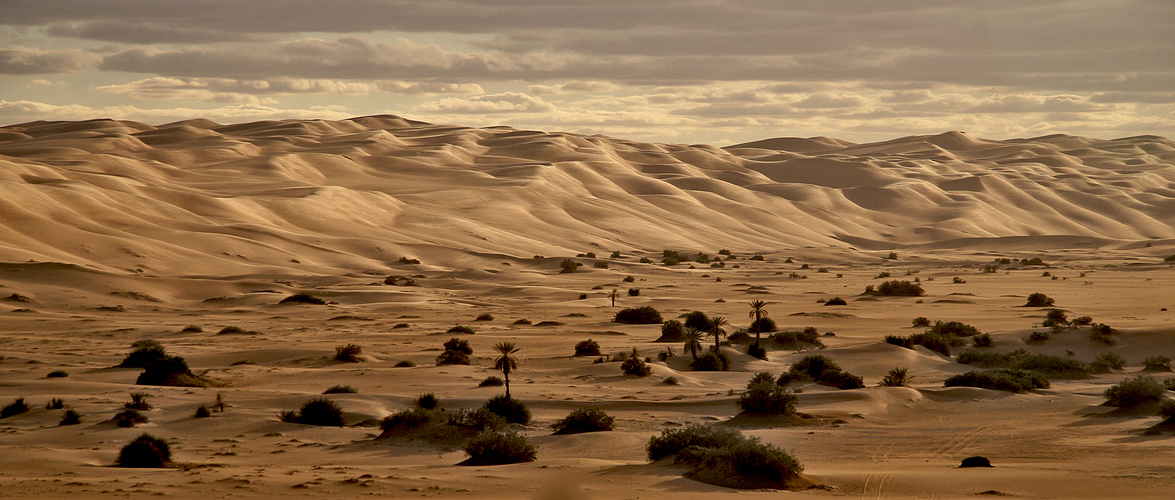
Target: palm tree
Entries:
(506, 362)
(757, 312)
(693, 342)
(716, 324)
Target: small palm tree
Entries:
(693, 342)
(757, 312)
(716, 324)
(506, 362)
(897, 377)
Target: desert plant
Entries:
(1156, 364)
(55, 404)
(129, 418)
(716, 324)
(712, 361)
(1052, 366)
(139, 401)
(764, 397)
(407, 419)
(599, 264)
(303, 298)
(758, 311)
(797, 340)
(982, 340)
(491, 381)
(16, 407)
(498, 448)
(1099, 332)
(836, 301)
(823, 371)
(1055, 317)
(192, 329)
(1039, 300)
(348, 353)
(451, 357)
(146, 451)
(1001, 379)
(644, 315)
(1037, 338)
(645, 260)
(460, 330)
(757, 351)
(317, 411)
(587, 347)
(428, 401)
(634, 365)
(920, 321)
(583, 420)
(459, 345)
(513, 410)
(202, 412)
(231, 330)
(568, 266)
(341, 389)
(899, 341)
(671, 331)
(506, 361)
(404, 364)
(1106, 362)
(406, 260)
(57, 374)
(629, 279)
(634, 292)
(484, 317)
(756, 257)
(698, 320)
(958, 281)
(897, 377)
(1134, 392)
(955, 328)
(1082, 321)
(900, 288)
(70, 417)
(143, 352)
(674, 441)
(749, 464)
(693, 342)
(167, 370)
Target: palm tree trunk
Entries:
(757, 328)
(506, 373)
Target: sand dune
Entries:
(191, 233)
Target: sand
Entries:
(114, 231)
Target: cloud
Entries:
(40, 82)
(227, 90)
(22, 111)
(33, 61)
(584, 87)
(507, 102)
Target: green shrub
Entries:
(450, 357)
(644, 315)
(16, 407)
(764, 397)
(1135, 391)
(146, 451)
(1106, 362)
(57, 374)
(900, 288)
(953, 328)
(1102, 333)
(1052, 366)
(645, 260)
(823, 371)
(634, 365)
(671, 331)
(673, 441)
(129, 418)
(1082, 320)
(634, 292)
(348, 353)
(428, 401)
(568, 266)
(748, 464)
(841, 380)
(498, 448)
(407, 419)
(897, 377)
(143, 352)
(599, 264)
(988, 359)
(796, 341)
(492, 381)
(406, 260)
(477, 420)
(1039, 300)
(318, 411)
(763, 325)
(341, 389)
(460, 330)
(937, 343)
(1055, 317)
(1000, 379)
(698, 320)
(587, 347)
(1167, 409)
(1156, 364)
(70, 417)
(583, 420)
(513, 410)
(712, 362)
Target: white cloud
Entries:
(15, 60)
(227, 90)
(23, 111)
(507, 102)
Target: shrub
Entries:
(1167, 409)
(513, 410)
(1106, 362)
(1156, 364)
(55, 404)
(341, 389)
(836, 301)
(460, 330)
(16, 407)
(231, 330)
(937, 343)
(583, 296)
(1082, 320)
(629, 279)
(192, 329)
(1000, 379)
(348, 353)
(485, 317)
(900, 288)
(763, 325)
(478, 420)
(634, 365)
(522, 321)
(757, 351)
(1039, 300)
(146, 451)
(814, 366)
(644, 315)
(491, 381)
(897, 377)
(1134, 391)
(645, 260)
(749, 464)
(1099, 332)
(57, 374)
(404, 364)
(673, 441)
(899, 341)
(981, 340)
(406, 419)
(202, 412)
(400, 325)
(756, 257)
(587, 347)
(920, 321)
(634, 292)
(129, 418)
(764, 397)
(498, 448)
(712, 362)
(583, 420)
(450, 357)
(698, 320)
(953, 328)
(671, 331)
(671, 380)
(70, 417)
(303, 298)
(318, 411)
(568, 266)
(459, 345)
(143, 352)
(406, 260)
(1052, 366)
(168, 370)
(1037, 338)
(841, 380)
(428, 401)
(957, 280)
(823, 371)
(1055, 317)
(987, 359)
(599, 264)
(796, 341)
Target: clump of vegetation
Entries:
(457, 352)
(568, 266)
(57, 374)
(202, 412)
(341, 389)
(70, 417)
(836, 301)
(1134, 392)
(674, 441)
(404, 364)
(1039, 300)
(634, 292)
(757, 351)
(587, 347)
(522, 321)
(955, 328)
(1037, 338)
(671, 331)
(1106, 362)
(644, 315)
(583, 420)
(16, 407)
(629, 279)
(756, 257)
(460, 330)
(145, 452)
(498, 448)
(138, 401)
(406, 260)
(485, 317)
(318, 411)
(725, 458)
(808, 338)
(428, 401)
(763, 397)
(1055, 318)
(143, 352)
(129, 418)
(599, 264)
(1102, 333)
(982, 340)
(897, 377)
(169, 371)
(636, 366)
(1000, 379)
(900, 288)
(303, 298)
(192, 329)
(822, 370)
(1052, 366)
(491, 381)
(348, 353)
(231, 330)
(712, 361)
(510, 409)
(55, 404)
(1156, 364)
(920, 322)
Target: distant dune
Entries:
(316, 196)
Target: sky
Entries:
(682, 71)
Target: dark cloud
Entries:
(33, 61)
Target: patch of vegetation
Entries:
(428, 401)
(671, 331)
(55, 404)
(636, 366)
(1039, 300)
(1037, 338)
(982, 340)
(836, 301)
(145, 452)
(634, 292)
(725, 458)
(510, 409)
(920, 321)
(587, 347)
(900, 288)
(1156, 364)
(169, 371)
(57, 374)
(1106, 362)
(341, 389)
(899, 341)
(763, 325)
(303, 298)
(674, 441)
(491, 381)
(484, 317)
(599, 264)
(797, 341)
(202, 412)
(498, 448)
(756, 257)
(460, 330)
(317, 411)
(138, 401)
(584, 420)
(16, 407)
(1052, 366)
(568, 266)
(698, 320)
(822, 370)
(1000, 379)
(129, 418)
(1102, 333)
(143, 352)
(757, 351)
(404, 364)
(348, 353)
(955, 328)
(522, 321)
(897, 377)
(1055, 317)
(1134, 392)
(70, 417)
(644, 315)
(764, 397)
(192, 329)
(712, 362)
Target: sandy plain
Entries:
(118, 231)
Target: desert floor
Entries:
(895, 442)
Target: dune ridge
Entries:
(360, 193)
